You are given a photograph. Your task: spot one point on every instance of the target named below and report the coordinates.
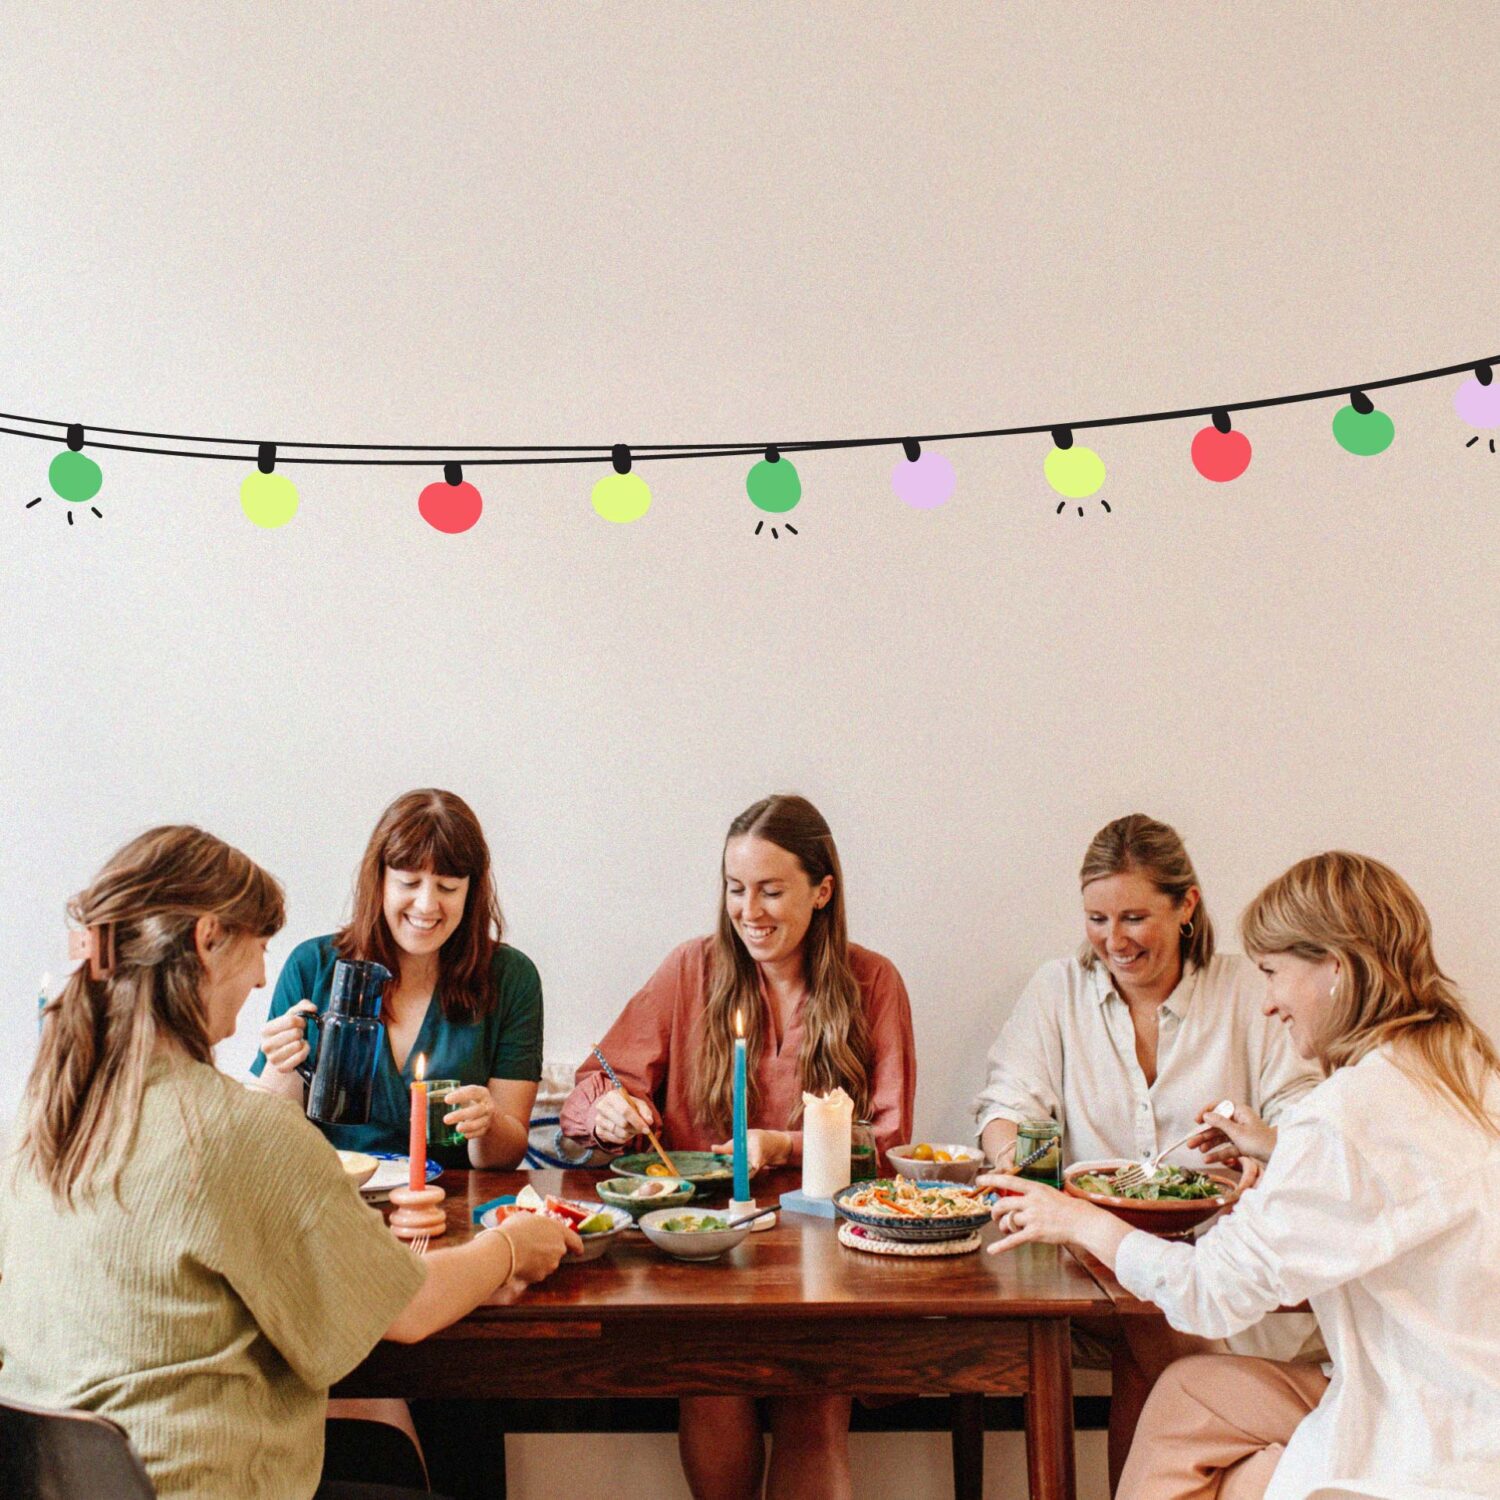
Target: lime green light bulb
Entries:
(773, 484)
(621, 497)
(1074, 472)
(268, 499)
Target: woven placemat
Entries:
(860, 1239)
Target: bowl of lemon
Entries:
(927, 1161)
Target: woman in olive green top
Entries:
(469, 1005)
(180, 1253)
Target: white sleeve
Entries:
(1320, 1218)
(1025, 1064)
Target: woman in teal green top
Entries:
(468, 1004)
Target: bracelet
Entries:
(510, 1270)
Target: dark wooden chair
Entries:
(67, 1455)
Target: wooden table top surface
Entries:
(797, 1269)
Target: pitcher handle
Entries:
(309, 1065)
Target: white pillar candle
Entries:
(827, 1125)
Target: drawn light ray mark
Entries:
(793, 529)
(1471, 441)
(30, 503)
(758, 526)
(100, 513)
(70, 518)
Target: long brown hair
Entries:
(432, 830)
(1154, 850)
(84, 1093)
(1389, 987)
(835, 1049)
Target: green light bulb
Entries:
(75, 476)
(773, 484)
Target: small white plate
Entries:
(391, 1172)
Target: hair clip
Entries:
(97, 945)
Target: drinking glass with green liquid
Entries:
(863, 1163)
(1039, 1151)
(439, 1134)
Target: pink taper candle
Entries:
(417, 1141)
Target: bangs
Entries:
(427, 839)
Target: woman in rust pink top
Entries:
(818, 1014)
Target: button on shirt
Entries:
(1381, 1207)
(1067, 1053)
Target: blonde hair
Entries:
(83, 1096)
(835, 1051)
(1389, 990)
(1138, 843)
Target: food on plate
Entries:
(654, 1189)
(658, 1170)
(692, 1224)
(576, 1216)
(1165, 1182)
(903, 1198)
(926, 1152)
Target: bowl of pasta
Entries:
(898, 1208)
(1173, 1201)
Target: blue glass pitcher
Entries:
(346, 1040)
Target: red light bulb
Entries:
(1219, 453)
(451, 503)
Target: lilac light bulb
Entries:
(1478, 405)
(925, 481)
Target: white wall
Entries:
(489, 224)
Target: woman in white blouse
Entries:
(1125, 1046)
(1380, 1206)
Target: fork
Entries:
(1139, 1172)
(418, 1246)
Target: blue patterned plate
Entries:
(912, 1230)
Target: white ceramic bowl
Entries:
(906, 1165)
(358, 1167)
(700, 1244)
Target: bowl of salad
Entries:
(1175, 1201)
(691, 1236)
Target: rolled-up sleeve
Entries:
(1026, 1062)
(1317, 1221)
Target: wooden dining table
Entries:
(789, 1311)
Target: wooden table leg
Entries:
(967, 1420)
(1049, 1412)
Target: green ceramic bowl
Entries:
(692, 1166)
(616, 1191)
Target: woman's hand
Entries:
(283, 1040)
(765, 1149)
(617, 1117)
(1033, 1211)
(471, 1110)
(539, 1244)
(1245, 1134)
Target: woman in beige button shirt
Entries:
(1127, 1044)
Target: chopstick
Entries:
(656, 1145)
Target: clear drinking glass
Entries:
(439, 1134)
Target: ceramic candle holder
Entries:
(738, 1208)
(419, 1211)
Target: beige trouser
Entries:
(1215, 1426)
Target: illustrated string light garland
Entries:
(923, 479)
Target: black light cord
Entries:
(539, 454)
